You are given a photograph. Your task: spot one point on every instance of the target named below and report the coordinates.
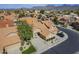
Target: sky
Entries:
(12, 6)
(15, 6)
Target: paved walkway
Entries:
(14, 49)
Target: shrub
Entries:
(31, 49)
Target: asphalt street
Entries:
(70, 46)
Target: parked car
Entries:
(60, 34)
(75, 25)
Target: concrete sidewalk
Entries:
(70, 28)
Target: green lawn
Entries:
(30, 50)
(25, 32)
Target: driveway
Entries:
(42, 45)
(38, 43)
(14, 49)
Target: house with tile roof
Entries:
(6, 20)
(9, 38)
(46, 29)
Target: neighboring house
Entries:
(73, 17)
(77, 19)
(67, 19)
(64, 20)
(9, 40)
(6, 20)
(46, 29)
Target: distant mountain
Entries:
(54, 5)
(58, 7)
(63, 5)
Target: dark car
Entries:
(75, 25)
(60, 34)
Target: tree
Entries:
(17, 11)
(39, 16)
(55, 20)
(1, 17)
(77, 12)
(31, 15)
(8, 12)
(42, 11)
(25, 31)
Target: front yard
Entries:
(31, 49)
(25, 32)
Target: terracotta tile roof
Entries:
(29, 21)
(52, 28)
(44, 31)
(8, 20)
(42, 25)
(8, 36)
(3, 23)
(48, 23)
